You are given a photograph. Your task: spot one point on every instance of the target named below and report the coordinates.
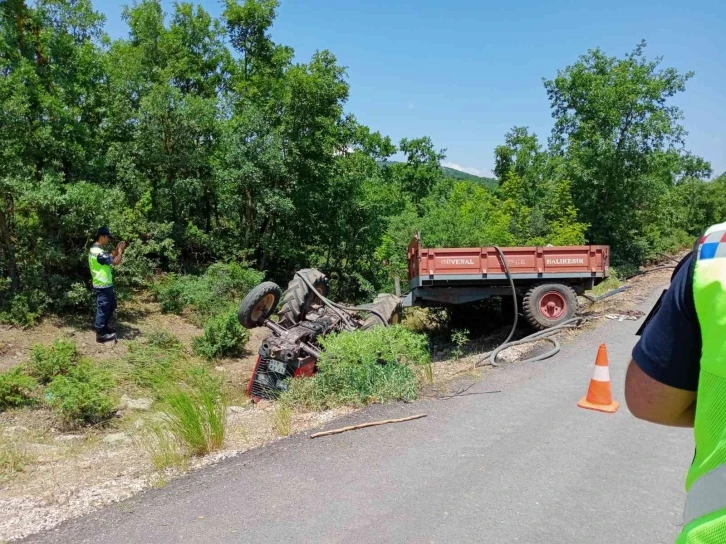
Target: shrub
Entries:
(169, 292)
(363, 367)
(223, 336)
(22, 311)
(459, 338)
(196, 412)
(48, 362)
(82, 395)
(78, 298)
(205, 295)
(16, 389)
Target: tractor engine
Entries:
(281, 357)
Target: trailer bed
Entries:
(546, 279)
(482, 265)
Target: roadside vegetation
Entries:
(358, 368)
(188, 401)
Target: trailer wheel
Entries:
(259, 304)
(389, 306)
(549, 304)
(298, 299)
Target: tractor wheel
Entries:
(298, 299)
(259, 304)
(549, 304)
(389, 306)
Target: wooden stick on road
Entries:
(362, 425)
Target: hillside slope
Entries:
(452, 173)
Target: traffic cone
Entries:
(599, 397)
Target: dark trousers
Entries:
(105, 305)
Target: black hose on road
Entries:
(491, 356)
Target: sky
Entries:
(466, 71)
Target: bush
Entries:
(79, 298)
(204, 295)
(363, 367)
(21, 312)
(196, 412)
(48, 362)
(223, 336)
(16, 389)
(82, 395)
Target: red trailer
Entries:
(548, 279)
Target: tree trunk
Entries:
(248, 218)
(6, 232)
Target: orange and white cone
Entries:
(599, 397)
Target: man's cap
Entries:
(103, 231)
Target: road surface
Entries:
(521, 465)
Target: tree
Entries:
(422, 169)
(616, 133)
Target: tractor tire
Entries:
(259, 304)
(389, 306)
(298, 299)
(549, 304)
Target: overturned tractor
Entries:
(305, 315)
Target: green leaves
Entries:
(621, 146)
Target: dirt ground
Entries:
(71, 474)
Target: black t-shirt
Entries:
(104, 257)
(669, 350)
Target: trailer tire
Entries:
(549, 304)
(298, 298)
(389, 306)
(259, 304)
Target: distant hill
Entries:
(489, 183)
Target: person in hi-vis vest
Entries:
(678, 378)
(100, 263)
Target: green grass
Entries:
(196, 413)
(282, 418)
(12, 460)
(612, 282)
(164, 447)
(151, 367)
(364, 367)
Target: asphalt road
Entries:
(522, 465)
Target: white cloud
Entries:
(467, 169)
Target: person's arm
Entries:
(118, 253)
(113, 258)
(650, 400)
(661, 382)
